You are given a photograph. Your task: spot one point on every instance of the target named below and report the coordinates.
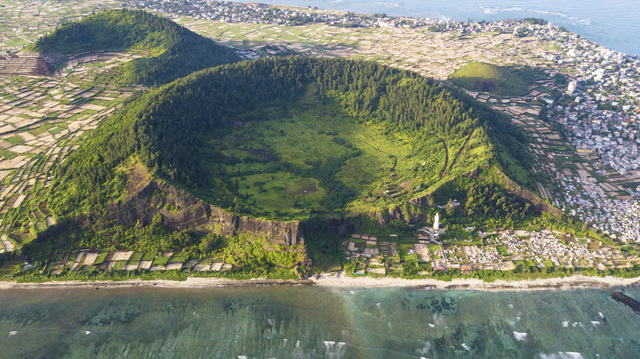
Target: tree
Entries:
(451, 208)
(209, 243)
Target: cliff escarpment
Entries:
(148, 197)
(258, 147)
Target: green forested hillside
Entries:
(285, 138)
(173, 51)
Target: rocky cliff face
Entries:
(148, 197)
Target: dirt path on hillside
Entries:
(464, 145)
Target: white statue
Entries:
(436, 222)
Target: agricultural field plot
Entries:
(574, 181)
(562, 170)
(22, 65)
(22, 22)
(311, 157)
(524, 112)
(87, 66)
(547, 148)
(92, 261)
(40, 120)
(429, 53)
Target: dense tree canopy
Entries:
(173, 50)
(166, 128)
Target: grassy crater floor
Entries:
(294, 139)
(288, 160)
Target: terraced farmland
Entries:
(40, 120)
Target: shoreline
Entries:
(335, 280)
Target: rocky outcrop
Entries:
(147, 198)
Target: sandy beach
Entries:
(573, 282)
(335, 280)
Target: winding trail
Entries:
(464, 145)
(395, 158)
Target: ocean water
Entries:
(613, 23)
(313, 322)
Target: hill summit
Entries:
(483, 77)
(170, 50)
(262, 145)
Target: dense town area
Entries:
(257, 13)
(583, 124)
(502, 250)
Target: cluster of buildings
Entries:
(599, 113)
(266, 14)
(503, 250)
(368, 252)
(598, 108)
(578, 185)
(587, 200)
(538, 246)
(603, 111)
(545, 246)
(472, 254)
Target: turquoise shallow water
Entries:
(314, 323)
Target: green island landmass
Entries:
(285, 167)
(291, 168)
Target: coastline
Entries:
(335, 280)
